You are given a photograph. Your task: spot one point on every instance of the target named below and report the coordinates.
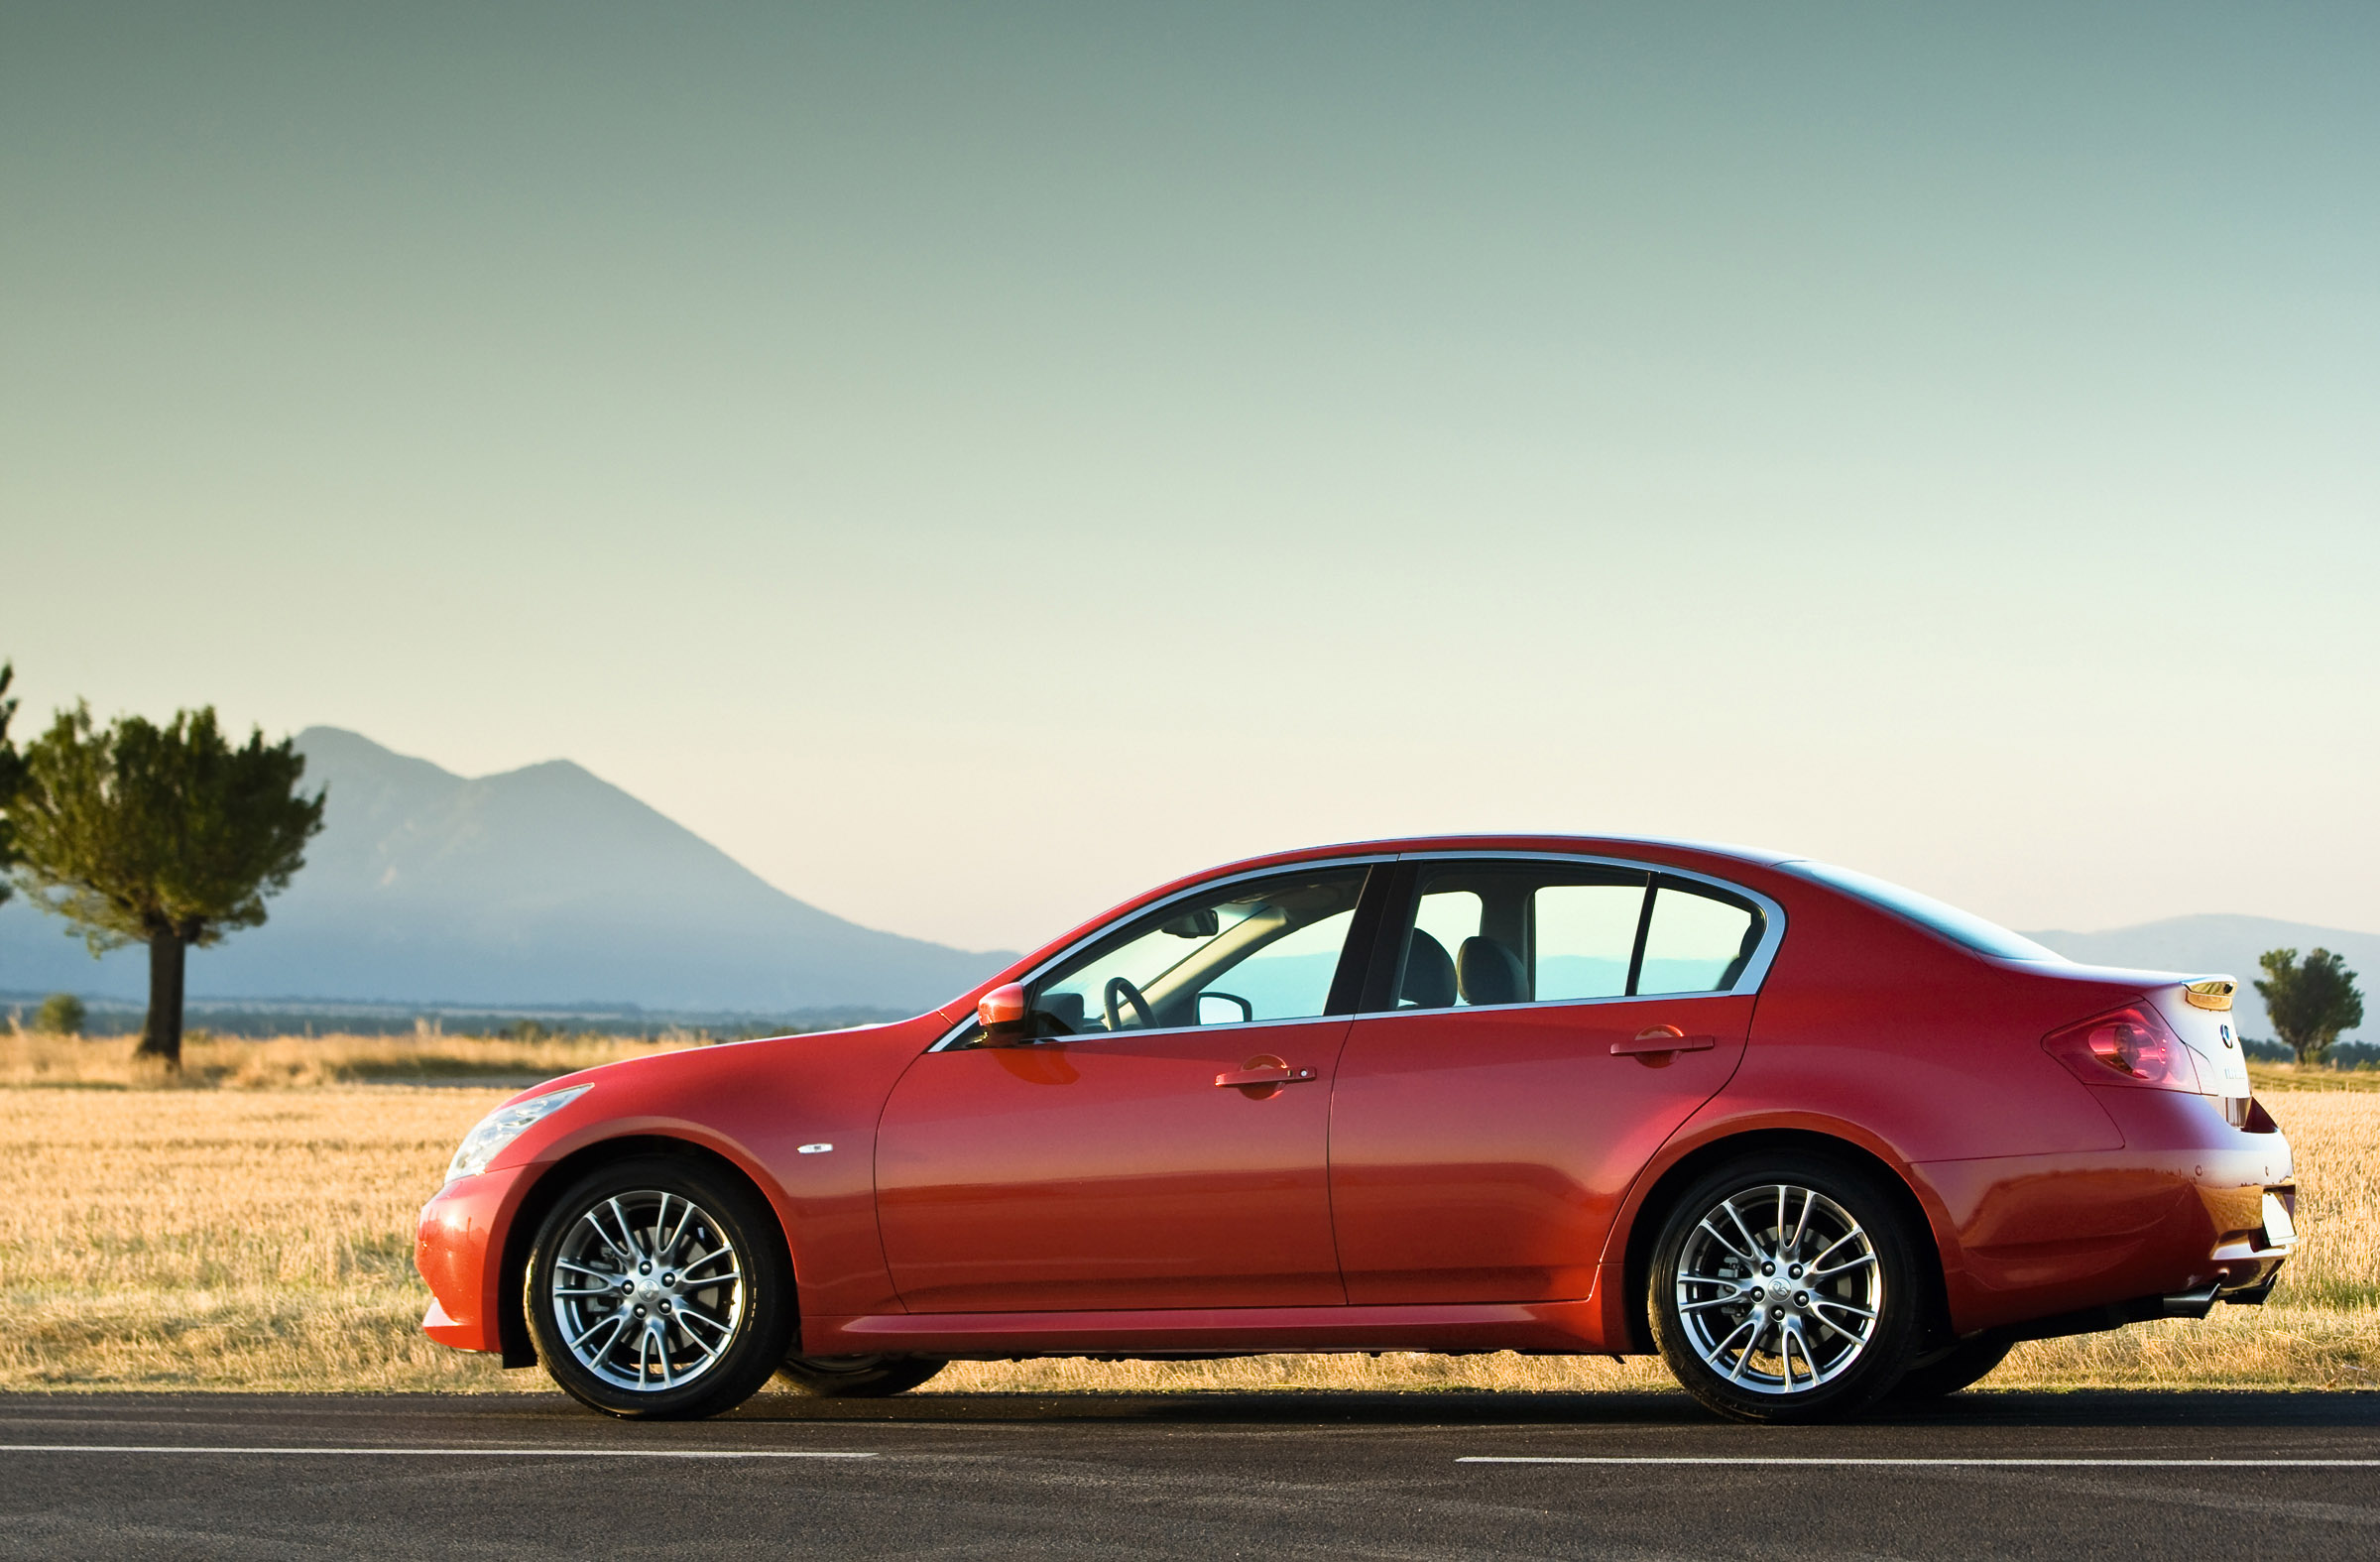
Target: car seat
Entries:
(1488, 973)
(1429, 974)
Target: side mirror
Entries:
(1003, 1006)
(1002, 1013)
(1224, 1009)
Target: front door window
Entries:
(1267, 950)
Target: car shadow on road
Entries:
(2111, 1409)
(502, 1415)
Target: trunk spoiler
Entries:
(2211, 993)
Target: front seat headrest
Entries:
(1489, 973)
(1429, 974)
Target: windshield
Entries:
(1985, 938)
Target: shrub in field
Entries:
(60, 1015)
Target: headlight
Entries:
(503, 1125)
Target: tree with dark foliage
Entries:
(2310, 1004)
(166, 837)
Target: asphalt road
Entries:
(2118, 1474)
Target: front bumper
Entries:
(459, 1249)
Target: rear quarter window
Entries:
(1695, 943)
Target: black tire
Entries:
(1945, 1373)
(1786, 1247)
(858, 1377)
(584, 1278)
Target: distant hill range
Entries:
(548, 887)
(541, 886)
(2211, 943)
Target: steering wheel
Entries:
(1117, 987)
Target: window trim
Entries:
(1400, 884)
(1747, 982)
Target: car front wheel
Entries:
(1785, 1289)
(660, 1288)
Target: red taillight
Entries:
(2131, 1046)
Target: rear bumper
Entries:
(2140, 1310)
(458, 1248)
(2167, 1226)
(2247, 1262)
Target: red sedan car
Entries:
(1812, 1137)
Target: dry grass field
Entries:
(2269, 1077)
(308, 1062)
(257, 1235)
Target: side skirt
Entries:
(1566, 1328)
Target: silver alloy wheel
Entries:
(1779, 1290)
(646, 1290)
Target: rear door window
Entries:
(1487, 932)
(1583, 934)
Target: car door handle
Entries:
(1278, 1075)
(1662, 1040)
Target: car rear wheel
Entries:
(858, 1377)
(1962, 1365)
(1784, 1288)
(660, 1288)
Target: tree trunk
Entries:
(161, 1034)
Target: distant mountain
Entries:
(537, 885)
(2211, 943)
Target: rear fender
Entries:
(1711, 1140)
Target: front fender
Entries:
(754, 1107)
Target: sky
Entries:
(974, 462)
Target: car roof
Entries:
(1531, 841)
